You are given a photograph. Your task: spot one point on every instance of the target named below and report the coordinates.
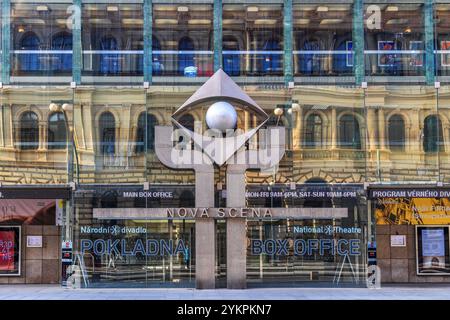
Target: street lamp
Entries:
(278, 112)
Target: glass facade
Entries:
(41, 40)
(182, 40)
(396, 46)
(322, 36)
(361, 87)
(253, 40)
(112, 40)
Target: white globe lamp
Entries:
(67, 107)
(53, 107)
(278, 112)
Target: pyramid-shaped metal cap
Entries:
(220, 87)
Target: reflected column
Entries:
(371, 129)
(382, 128)
(333, 128)
(298, 134)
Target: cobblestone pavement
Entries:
(55, 292)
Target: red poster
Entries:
(7, 251)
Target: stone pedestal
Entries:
(236, 254)
(236, 235)
(205, 253)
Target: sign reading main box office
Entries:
(148, 194)
(411, 206)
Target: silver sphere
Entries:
(221, 116)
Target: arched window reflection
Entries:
(432, 134)
(57, 138)
(396, 133)
(107, 133)
(29, 61)
(145, 138)
(62, 62)
(29, 131)
(349, 132)
(314, 131)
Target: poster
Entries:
(386, 59)
(415, 211)
(432, 250)
(7, 239)
(9, 250)
(445, 56)
(416, 58)
(349, 55)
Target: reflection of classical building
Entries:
(336, 134)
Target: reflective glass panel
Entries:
(182, 40)
(41, 40)
(112, 36)
(35, 140)
(323, 43)
(394, 39)
(253, 40)
(108, 134)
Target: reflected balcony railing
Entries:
(119, 156)
(394, 62)
(113, 62)
(253, 63)
(327, 154)
(323, 63)
(183, 63)
(41, 63)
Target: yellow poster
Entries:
(412, 211)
